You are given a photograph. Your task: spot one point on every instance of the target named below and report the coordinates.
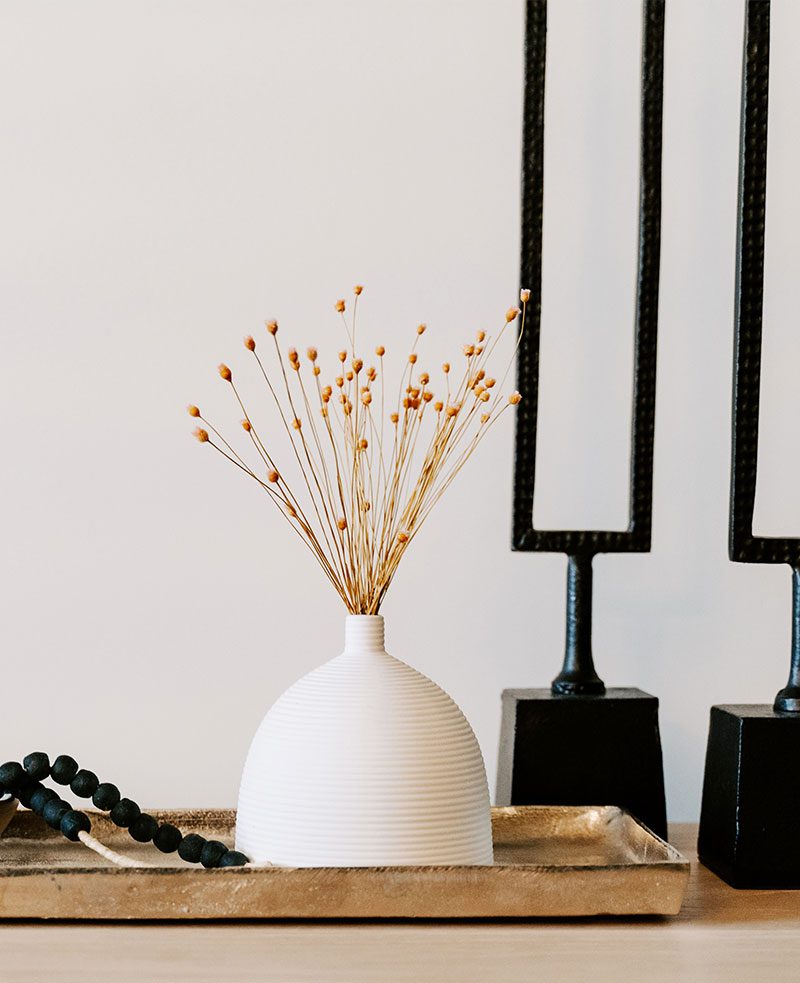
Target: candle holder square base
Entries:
(751, 797)
(570, 750)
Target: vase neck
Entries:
(363, 633)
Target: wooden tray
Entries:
(550, 861)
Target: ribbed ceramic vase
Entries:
(364, 762)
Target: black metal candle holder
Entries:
(751, 792)
(577, 742)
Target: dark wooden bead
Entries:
(212, 853)
(72, 822)
(54, 812)
(106, 796)
(233, 859)
(41, 797)
(64, 769)
(85, 783)
(168, 838)
(143, 828)
(191, 847)
(27, 787)
(11, 774)
(37, 765)
(124, 812)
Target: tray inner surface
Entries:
(547, 836)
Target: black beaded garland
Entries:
(167, 838)
(233, 858)
(212, 853)
(54, 812)
(106, 796)
(41, 797)
(64, 769)
(37, 765)
(190, 848)
(85, 783)
(74, 821)
(23, 782)
(26, 789)
(124, 812)
(11, 774)
(143, 828)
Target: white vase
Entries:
(364, 762)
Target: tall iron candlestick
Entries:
(578, 674)
(744, 547)
(751, 793)
(603, 746)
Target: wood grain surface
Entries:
(720, 935)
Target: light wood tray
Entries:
(550, 861)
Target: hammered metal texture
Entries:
(578, 676)
(590, 542)
(743, 546)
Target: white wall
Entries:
(173, 172)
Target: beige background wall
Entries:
(173, 172)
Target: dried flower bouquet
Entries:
(372, 465)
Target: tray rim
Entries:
(673, 861)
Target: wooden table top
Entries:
(721, 935)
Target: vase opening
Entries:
(364, 633)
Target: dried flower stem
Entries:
(366, 497)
